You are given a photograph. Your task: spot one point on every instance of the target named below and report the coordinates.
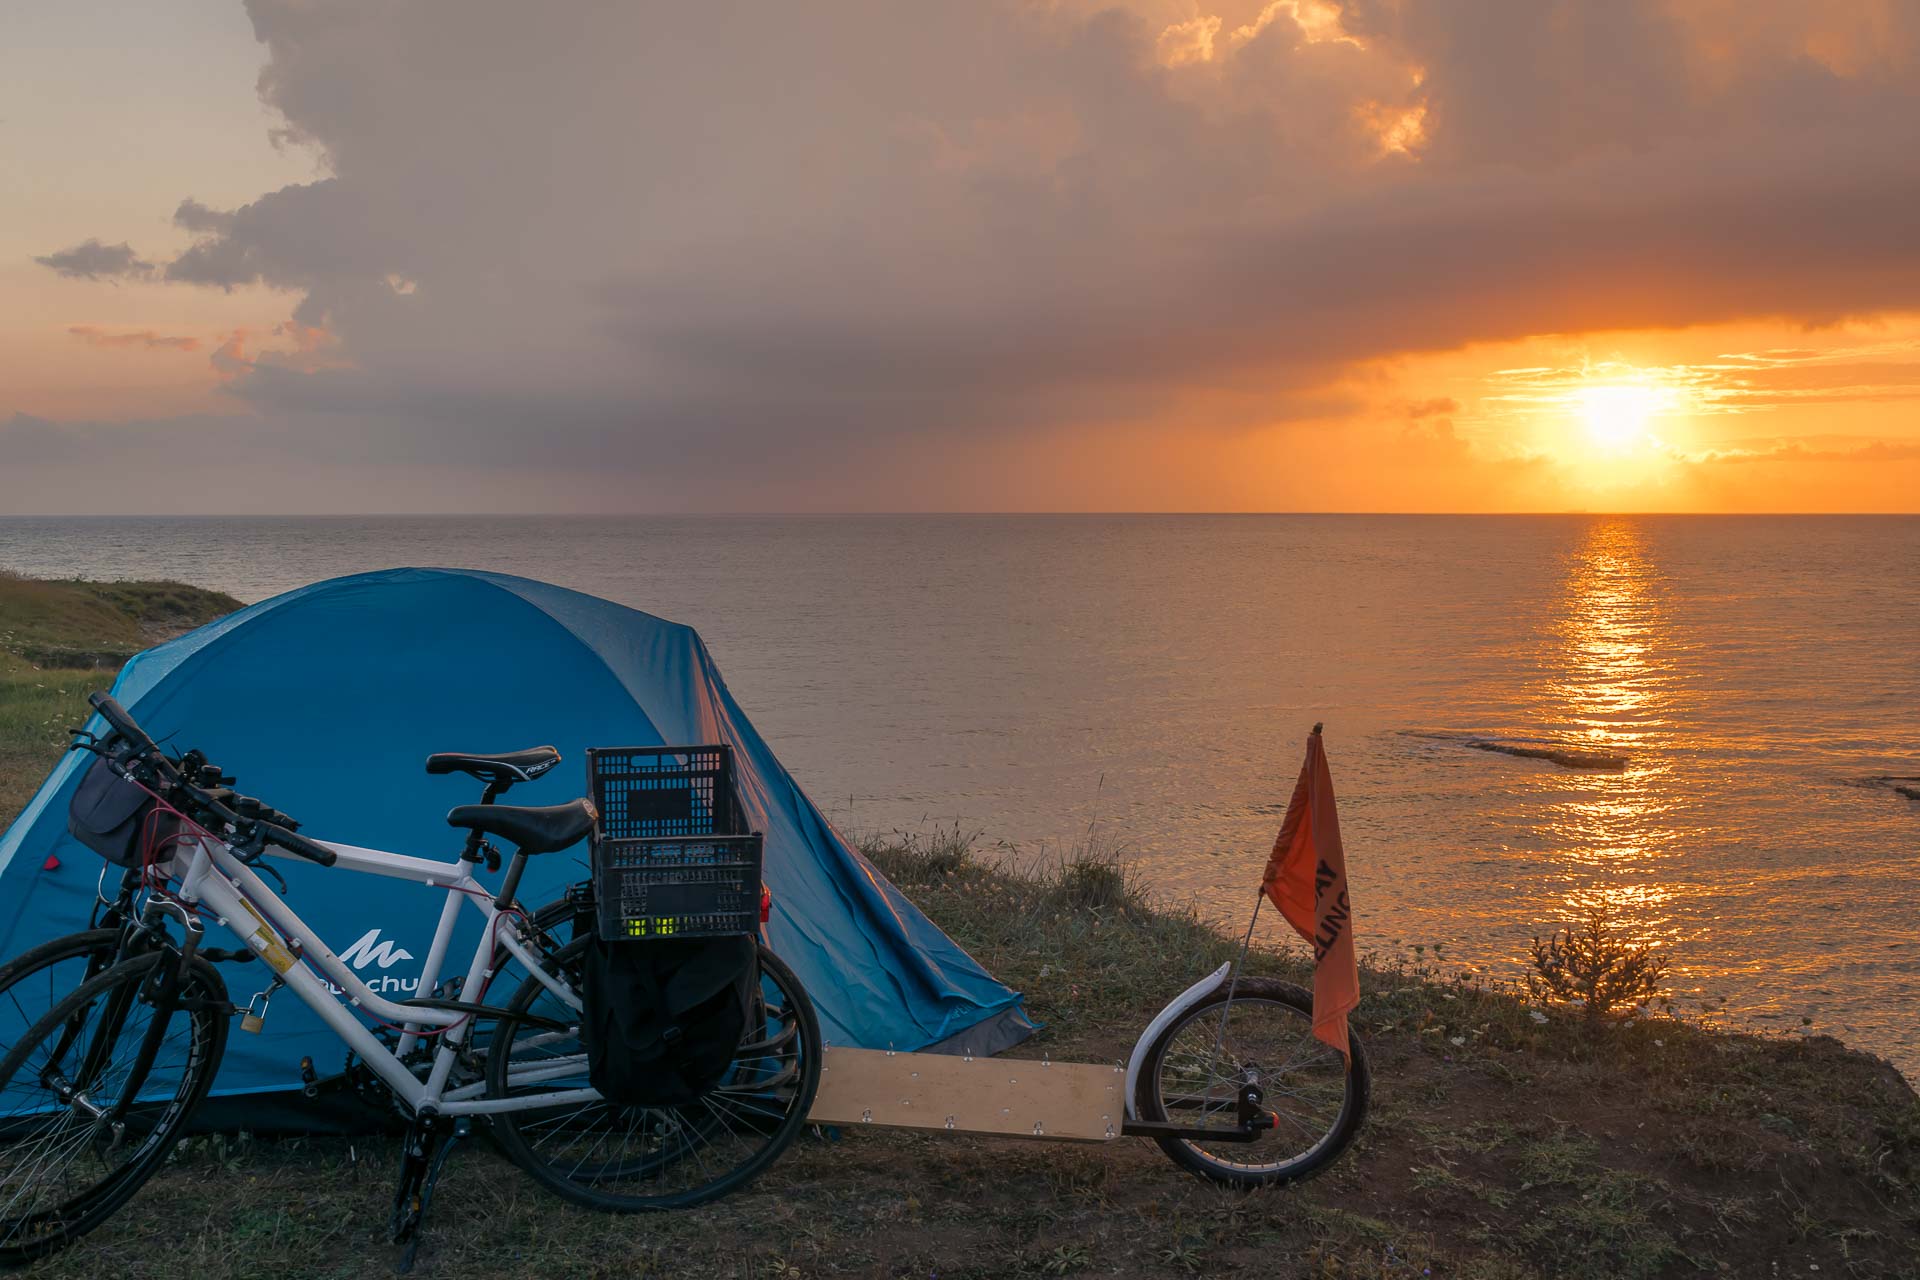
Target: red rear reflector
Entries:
(766, 903)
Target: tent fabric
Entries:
(326, 701)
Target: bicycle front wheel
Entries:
(93, 1094)
(626, 1159)
(35, 980)
(1193, 1072)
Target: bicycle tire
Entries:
(33, 981)
(31, 1108)
(787, 1006)
(1290, 1087)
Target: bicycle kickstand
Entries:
(430, 1140)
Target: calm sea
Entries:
(1154, 678)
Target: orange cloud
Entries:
(140, 338)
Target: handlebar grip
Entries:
(292, 843)
(123, 724)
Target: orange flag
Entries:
(1307, 879)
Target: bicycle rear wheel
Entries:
(627, 1159)
(82, 1124)
(1193, 1071)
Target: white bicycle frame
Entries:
(218, 882)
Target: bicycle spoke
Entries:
(65, 1157)
(1271, 1045)
(655, 1156)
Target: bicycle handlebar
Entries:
(123, 724)
(311, 850)
(261, 822)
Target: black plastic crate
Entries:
(677, 887)
(664, 791)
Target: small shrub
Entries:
(922, 857)
(1595, 965)
(1094, 882)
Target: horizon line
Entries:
(898, 515)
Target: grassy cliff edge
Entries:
(60, 641)
(1505, 1142)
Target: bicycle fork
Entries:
(95, 1062)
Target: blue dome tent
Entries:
(325, 701)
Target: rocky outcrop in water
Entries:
(1566, 757)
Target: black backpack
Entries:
(663, 1019)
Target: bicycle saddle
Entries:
(529, 829)
(507, 766)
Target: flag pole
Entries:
(1246, 945)
(1233, 975)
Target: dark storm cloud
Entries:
(649, 235)
(91, 260)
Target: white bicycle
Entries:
(95, 1091)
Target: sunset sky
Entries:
(1187, 255)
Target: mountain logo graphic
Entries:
(370, 950)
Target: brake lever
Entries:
(250, 846)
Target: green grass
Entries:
(1501, 1146)
(60, 641)
(97, 625)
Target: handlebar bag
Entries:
(115, 818)
(662, 1019)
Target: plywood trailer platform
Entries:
(1062, 1101)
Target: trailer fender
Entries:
(1181, 1003)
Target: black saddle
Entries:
(508, 767)
(529, 829)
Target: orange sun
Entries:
(1617, 415)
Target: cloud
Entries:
(1805, 450)
(1731, 384)
(1432, 408)
(140, 338)
(727, 238)
(193, 216)
(92, 260)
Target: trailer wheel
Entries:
(1193, 1071)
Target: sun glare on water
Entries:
(1617, 416)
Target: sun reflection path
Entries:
(1611, 686)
